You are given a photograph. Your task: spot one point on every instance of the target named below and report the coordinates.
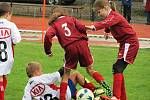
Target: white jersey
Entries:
(38, 88)
(9, 35)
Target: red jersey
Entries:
(147, 7)
(119, 27)
(67, 29)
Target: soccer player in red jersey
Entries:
(125, 35)
(72, 37)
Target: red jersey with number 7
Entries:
(121, 30)
(67, 29)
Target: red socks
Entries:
(117, 85)
(98, 77)
(89, 86)
(4, 82)
(63, 89)
(123, 90)
(1, 91)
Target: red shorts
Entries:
(128, 51)
(78, 51)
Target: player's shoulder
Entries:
(12, 23)
(9, 22)
(31, 82)
(114, 13)
(68, 18)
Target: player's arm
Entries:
(16, 37)
(50, 33)
(27, 96)
(107, 31)
(108, 22)
(50, 78)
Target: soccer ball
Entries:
(85, 94)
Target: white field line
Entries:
(37, 32)
(37, 35)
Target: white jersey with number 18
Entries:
(38, 88)
(9, 35)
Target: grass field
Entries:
(137, 75)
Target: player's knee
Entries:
(119, 66)
(116, 69)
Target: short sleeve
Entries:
(16, 38)
(50, 78)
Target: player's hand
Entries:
(106, 36)
(90, 27)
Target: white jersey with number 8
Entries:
(9, 35)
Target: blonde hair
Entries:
(32, 67)
(57, 11)
(4, 8)
(99, 4)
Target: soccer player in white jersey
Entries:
(9, 36)
(42, 86)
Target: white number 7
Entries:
(68, 32)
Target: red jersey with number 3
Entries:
(67, 29)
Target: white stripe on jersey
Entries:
(9, 35)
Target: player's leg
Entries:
(1, 88)
(129, 53)
(128, 13)
(125, 11)
(82, 81)
(77, 78)
(148, 18)
(70, 63)
(123, 90)
(118, 69)
(86, 60)
(64, 84)
(5, 81)
(100, 79)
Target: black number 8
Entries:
(2, 51)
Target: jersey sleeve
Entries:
(50, 78)
(27, 95)
(109, 21)
(16, 38)
(50, 33)
(79, 26)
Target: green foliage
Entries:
(136, 75)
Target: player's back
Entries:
(69, 29)
(9, 35)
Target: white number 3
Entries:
(67, 30)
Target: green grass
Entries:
(137, 75)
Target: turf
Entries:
(137, 76)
